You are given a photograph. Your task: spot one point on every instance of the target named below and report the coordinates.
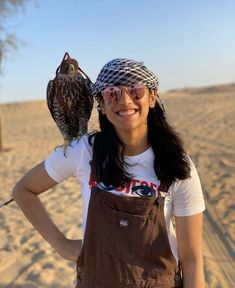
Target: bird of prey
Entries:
(70, 100)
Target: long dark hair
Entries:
(170, 162)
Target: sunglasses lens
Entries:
(136, 91)
(112, 94)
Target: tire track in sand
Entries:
(219, 258)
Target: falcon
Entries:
(70, 100)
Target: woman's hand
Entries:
(69, 249)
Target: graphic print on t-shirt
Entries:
(136, 187)
(144, 191)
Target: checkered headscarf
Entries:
(124, 72)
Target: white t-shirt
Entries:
(185, 196)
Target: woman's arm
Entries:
(189, 241)
(25, 193)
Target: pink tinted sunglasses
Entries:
(113, 93)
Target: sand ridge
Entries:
(205, 120)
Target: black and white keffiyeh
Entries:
(123, 71)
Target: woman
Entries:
(135, 177)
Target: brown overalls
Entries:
(126, 244)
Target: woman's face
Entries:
(127, 107)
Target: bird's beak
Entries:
(71, 69)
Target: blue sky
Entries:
(186, 43)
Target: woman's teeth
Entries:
(126, 112)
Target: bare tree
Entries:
(8, 40)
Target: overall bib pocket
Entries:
(124, 235)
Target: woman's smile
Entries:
(127, 112)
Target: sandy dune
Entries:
(206, 120)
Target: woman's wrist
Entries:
(58, 242)
(69, 249)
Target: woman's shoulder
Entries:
(187, 195)
(85, 142)
(75, 147)
(185, 182)
(66, 161)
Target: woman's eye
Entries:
(114, 95)
(132, 92)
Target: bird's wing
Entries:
(50, 95)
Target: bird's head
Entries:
(69, 66)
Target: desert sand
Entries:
(206, 120)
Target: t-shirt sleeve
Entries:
(60, 167)
(187, 195)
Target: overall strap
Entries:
(163, 186)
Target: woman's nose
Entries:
(125, 97)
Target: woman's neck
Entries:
(134, 143)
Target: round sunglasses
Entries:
(113, 93)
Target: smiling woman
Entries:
(126, 107)
(135, 178)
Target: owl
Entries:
(70, 100)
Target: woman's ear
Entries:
(152, 98)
